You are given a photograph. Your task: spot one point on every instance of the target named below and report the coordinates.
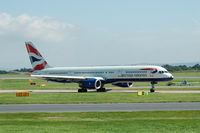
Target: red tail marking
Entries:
(32, 50)
(40, 66)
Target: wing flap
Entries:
(59, 78)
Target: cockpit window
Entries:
(163, 72)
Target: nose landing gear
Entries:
(152, 90)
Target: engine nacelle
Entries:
(127, 84)
(91, 84)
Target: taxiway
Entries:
(125, 107)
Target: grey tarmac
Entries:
(110, 89)
(94, 91)
(125, 107)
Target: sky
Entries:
(103, 32)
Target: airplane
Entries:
(97, 76)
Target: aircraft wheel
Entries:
(101, 90)
(82, 90)
(152, 90)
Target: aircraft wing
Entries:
(65, 79)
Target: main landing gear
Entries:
(152, 90)
(101, 90)
(82, 90)
(98, 90)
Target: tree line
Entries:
(182, 68)
(15, 70)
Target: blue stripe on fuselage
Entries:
(138, 80)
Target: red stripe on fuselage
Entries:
(31, 49)
(148, 69)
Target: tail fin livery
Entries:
(37, 61)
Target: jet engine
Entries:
(91, 84)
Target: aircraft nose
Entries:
(170, 76)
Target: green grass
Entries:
(79, 98)
(185, 74)
(102, 122)
(13, 75)
(23, 84)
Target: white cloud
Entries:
(32, 27)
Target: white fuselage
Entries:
(112, 73)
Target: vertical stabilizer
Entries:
(37, 61)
